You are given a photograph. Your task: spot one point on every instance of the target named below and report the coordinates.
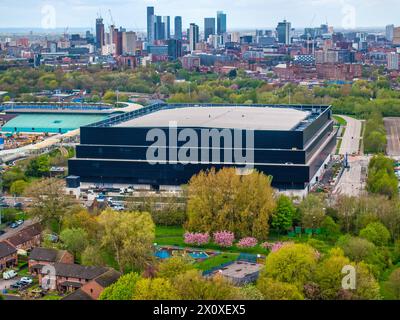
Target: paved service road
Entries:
(352, 137)
(353, 180)
(393, 136)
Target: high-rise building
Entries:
(393, 61)
(178, 28)
(174, 49)
(396, 36)
(129, 43)
(221, 23)
(167, 27)
(100, 38)
(389, 32)
(150, 24)
(284, 32)
(159, 28)
(194, 36)
(209, 27)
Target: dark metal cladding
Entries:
(109, 154)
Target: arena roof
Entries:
(51, 123)
(245, 118)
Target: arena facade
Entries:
(156, 147)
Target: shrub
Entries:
(196, 238)
(274, 247)
(224, 238)
(247, 243)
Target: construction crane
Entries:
(111, 17)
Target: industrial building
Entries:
(291, 143)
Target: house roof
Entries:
(78, 271)
(77, 296)
(108, 278)
(25, 235)
(46, 254)
(6, 249)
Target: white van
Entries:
(9, 275)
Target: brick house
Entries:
(93, 289)
(70, 277)
(8, 256)
(28, 238)
(40, 257)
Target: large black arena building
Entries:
(291, 143)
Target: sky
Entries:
(242, 14)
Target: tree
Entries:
(93, 256)
(328, 274)
(123, 289)
(312, 210)
(38, 167)
(381, 177)
(357, 249)
(224, 200)
(346, 209)
(173, 267)
(275, 290)
(74, 240)
(330, 229)
(193, 286)
(129, 236)
(393, 284)
(367, 288)
(82, 219)
(155, 289)
(12, 175)
(282, 218)
(49, 203)
(18, 187)
(376, 233)
(293, 263)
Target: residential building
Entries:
(41, 257)
(27, 238)
(393, 61)
(100, 37)
(93, 289)
(8, 255)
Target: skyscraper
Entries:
(159, 28)
(167, 27)
(284, 32)
(174, 49)
(209, 27)
(390, 32)
(178, 28)
(100, 38)
(150, 24)
(221, 23)
(193, 36)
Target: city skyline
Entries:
(250, 14)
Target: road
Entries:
(392, 126)
(352, 137)
(353, 180)
(10, 232)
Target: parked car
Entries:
(8, 275)
(18, 205)
(2, 232)
(18, 285)
(26, 280)
(20, 222)
(14, 225)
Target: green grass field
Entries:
(340, 120)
